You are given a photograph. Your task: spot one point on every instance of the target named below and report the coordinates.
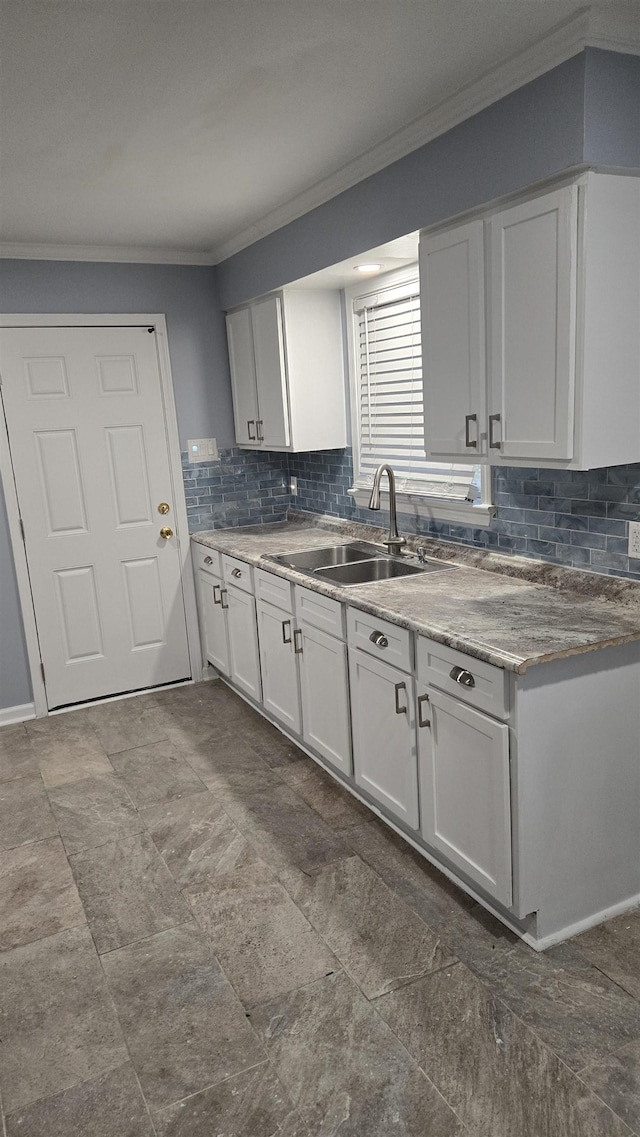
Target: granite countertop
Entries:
(509, 611)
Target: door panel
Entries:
(324, 683)
(268, 345)
(243, 375)
(88, 445)
(243, 641)
(465, 791)
(279, 665)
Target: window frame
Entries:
(418, 502)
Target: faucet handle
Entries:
(421, 550)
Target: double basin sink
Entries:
(355, 563)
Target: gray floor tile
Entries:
(614, 948)
(25, 813)
(434, 898)
(344, 1070)
(155, 773)
(62, 768)
(37, 894)
(57, 1021)
(261, 938)
(339, 808)
(108, 1106)
(196, 838)
(185, 1026)
(580, 1013)
(297, 771)
(494, 1072)
(93, 812)
(127, 723)
(251, 1104)
(269, 743)
(616, 1079)
(67, 736)
(17, 757)
(285, 831)
(380, 942)
(226, 762)
(127, 891)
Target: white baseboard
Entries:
(17, 714)
(541, 943)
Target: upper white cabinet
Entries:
(530, 329)
(287, 372)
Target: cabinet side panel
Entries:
(243, 374)
(576, 784)
(315, 368)
(611, 322)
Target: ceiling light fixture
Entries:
(369, 267)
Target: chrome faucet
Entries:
(393, 542)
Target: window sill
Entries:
(433, 509)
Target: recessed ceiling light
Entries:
(369, 267)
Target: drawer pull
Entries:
(398, 688)
(217, 599)
(297, 643)
(422, 722)
(236, 572)
(286, 627)
(223, 592)
(379, 639)
(208, 560)
(462, 676)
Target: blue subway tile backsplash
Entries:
(568, 517)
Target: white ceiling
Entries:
(181, 126)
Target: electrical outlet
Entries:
(202, 450)
(634, 539)
(293, 487)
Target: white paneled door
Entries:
(88, 442)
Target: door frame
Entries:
(103, 320)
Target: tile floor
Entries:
(201, 935)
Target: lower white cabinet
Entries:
(465, 800)
(384, 737)
(213, 621)
(324, 686)
(244, 661)
(279, 665)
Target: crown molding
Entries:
(121, 254)
(614, 31)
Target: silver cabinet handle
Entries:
(259, 423)
(223, 592)
(422, 722)
(468, 419)
(398, 688)
(251, 422)
(236, 572)
(297, 643)
(379, 639)
(217, 599)
(493, 445)
(286, 626)
(462, 676)
(208, 560)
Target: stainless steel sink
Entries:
(378, 568)
(311, 559)
(357, 562)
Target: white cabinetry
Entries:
(244, 666)
(324, 679)
(560, 314)
(213, 621)
(228, 619)
(280, 691)
(287, 372)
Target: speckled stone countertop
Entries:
(509, 611)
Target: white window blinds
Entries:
(390, 414)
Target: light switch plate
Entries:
(202, 450)
(634, 539)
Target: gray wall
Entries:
(187, 295)
(586, 111)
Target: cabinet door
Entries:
(384, 741)
(243, 641)
(271, 379)
(243, 376)
(324, 684)
(213, 621)
(279, 665)
(464, 790)
(532, 328)
(453, 342)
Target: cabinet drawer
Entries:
(319, 611)
(237, 573)
(380, 638)
(207, 559)
(487, 685)
(273, 589)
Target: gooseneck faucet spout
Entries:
(394, 541)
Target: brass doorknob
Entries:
(166, 532)
(163, 507)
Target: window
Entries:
(388, 411)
